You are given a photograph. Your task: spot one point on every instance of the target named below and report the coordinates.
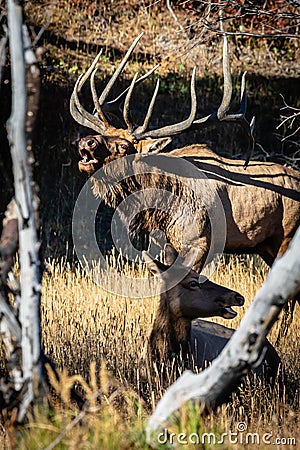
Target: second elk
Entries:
(179, 338)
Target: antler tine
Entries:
(138, 81)
(119, 69)
(79, 113)
(126, 112)
(91, 69)
(172, 130)
(96, 100)
(227, 93)
(248, 127)
(220, 113)
(145, 125)
(240, 117)
(243, 102)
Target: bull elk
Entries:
(261, 203)
(176, 336)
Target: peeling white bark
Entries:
(29, 308)
(244, 351)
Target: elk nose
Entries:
(239, 300)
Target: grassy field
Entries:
(95, 337)
(97, 340)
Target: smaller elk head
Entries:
(111, 143)
(192, 297)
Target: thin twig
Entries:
(174, 16)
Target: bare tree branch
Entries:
(258, 35)
(250, 19)
(289, 120)
(28, 384)
(244, 350)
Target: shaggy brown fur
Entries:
(261, 203)
(176, 336)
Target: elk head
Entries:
(111, 143)
(192, 297)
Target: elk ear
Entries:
(170, 254)
(190, 258)
(154, 265)
(153, 145)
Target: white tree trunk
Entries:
(29, 307)
(245, 349)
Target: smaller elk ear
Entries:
(153, 145)
(170, 254)
(154, 265)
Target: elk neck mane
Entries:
(148, 184)
(168, 337)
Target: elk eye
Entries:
(194, 283)
(91, 142)
(124, 146)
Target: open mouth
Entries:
(87, 165)
(227, 312)
(86, 160)
(87, 157)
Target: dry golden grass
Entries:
(97, 338)
(82, 323)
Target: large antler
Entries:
(100, 122)
(170, 130)
(81, 115)
(222, 114)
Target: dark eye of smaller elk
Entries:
(124, 146)
(194, 283)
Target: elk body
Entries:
(177, 336)
(261, 202)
